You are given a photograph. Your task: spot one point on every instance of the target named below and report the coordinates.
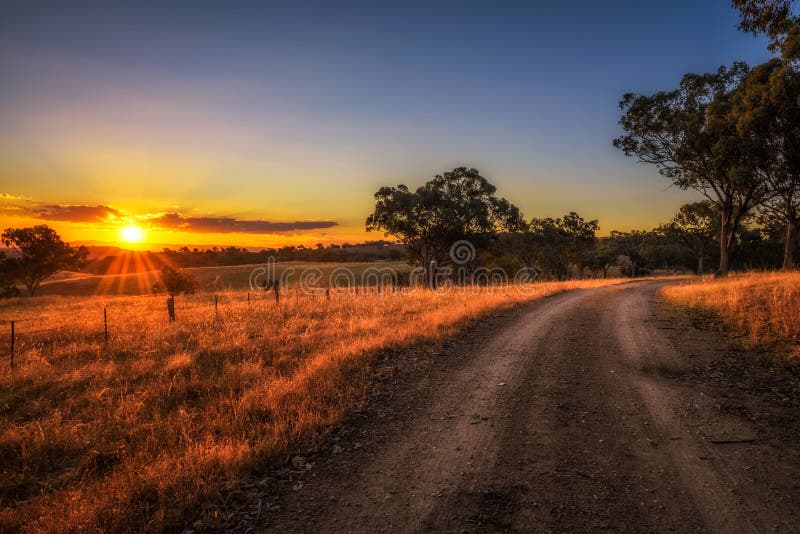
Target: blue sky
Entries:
(285, 112)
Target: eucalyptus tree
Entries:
(766, 108)
(691, 136)
(457, 205)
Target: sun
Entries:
(132, 234)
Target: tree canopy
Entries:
(457, 205)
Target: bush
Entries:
(175, 281)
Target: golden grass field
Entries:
(144, 433)
(762, 306)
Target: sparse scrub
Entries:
(762, 306)
(144, 433)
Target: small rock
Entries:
(299, 462)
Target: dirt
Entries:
(600, 409)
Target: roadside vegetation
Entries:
(764, 307)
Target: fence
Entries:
(94, 324)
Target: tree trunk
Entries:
(788, 250)
(700, 265)
(725, 239)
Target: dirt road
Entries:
(591, 410)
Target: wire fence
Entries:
(29, 328)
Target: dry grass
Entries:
(762, 306)
(143, 434)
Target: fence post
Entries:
(276, 287)
(12, 349)
(216, 308)
(171, 307)
(105, 324)
(248, 299)
(328, 293)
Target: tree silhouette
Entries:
(457, 205)
(39, 253)
(767, 113)
(691, 136)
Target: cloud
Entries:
(81, 214)
(206, 225)
(22, 206)
(7, 197)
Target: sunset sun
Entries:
(132, 234)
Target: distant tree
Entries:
(696, 226)
(556, 246)
(690, 135)
(543, 245)
(602, 256)
(176, 281)
(457, 205)
(39, 253)
(660, 249)
(628, 246)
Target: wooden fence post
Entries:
(171, 308)
(216, 307)
(248, 299)
(105, 324)
(328, 293)
(276, 287)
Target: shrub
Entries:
(176, 281)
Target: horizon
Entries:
(135, 126)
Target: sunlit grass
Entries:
(761, 306)
(145, 433)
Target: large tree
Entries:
(457, 205)
(689, 134)
(766, 108)
(39, 253)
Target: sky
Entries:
(262, 124)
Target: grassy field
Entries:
(231, 278)
(763, 306)
(142, 433)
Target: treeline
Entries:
(456, 222)
(229, 256)
(567, 247)
(733, 135)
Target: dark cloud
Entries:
(205, 225)
(84, 214)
